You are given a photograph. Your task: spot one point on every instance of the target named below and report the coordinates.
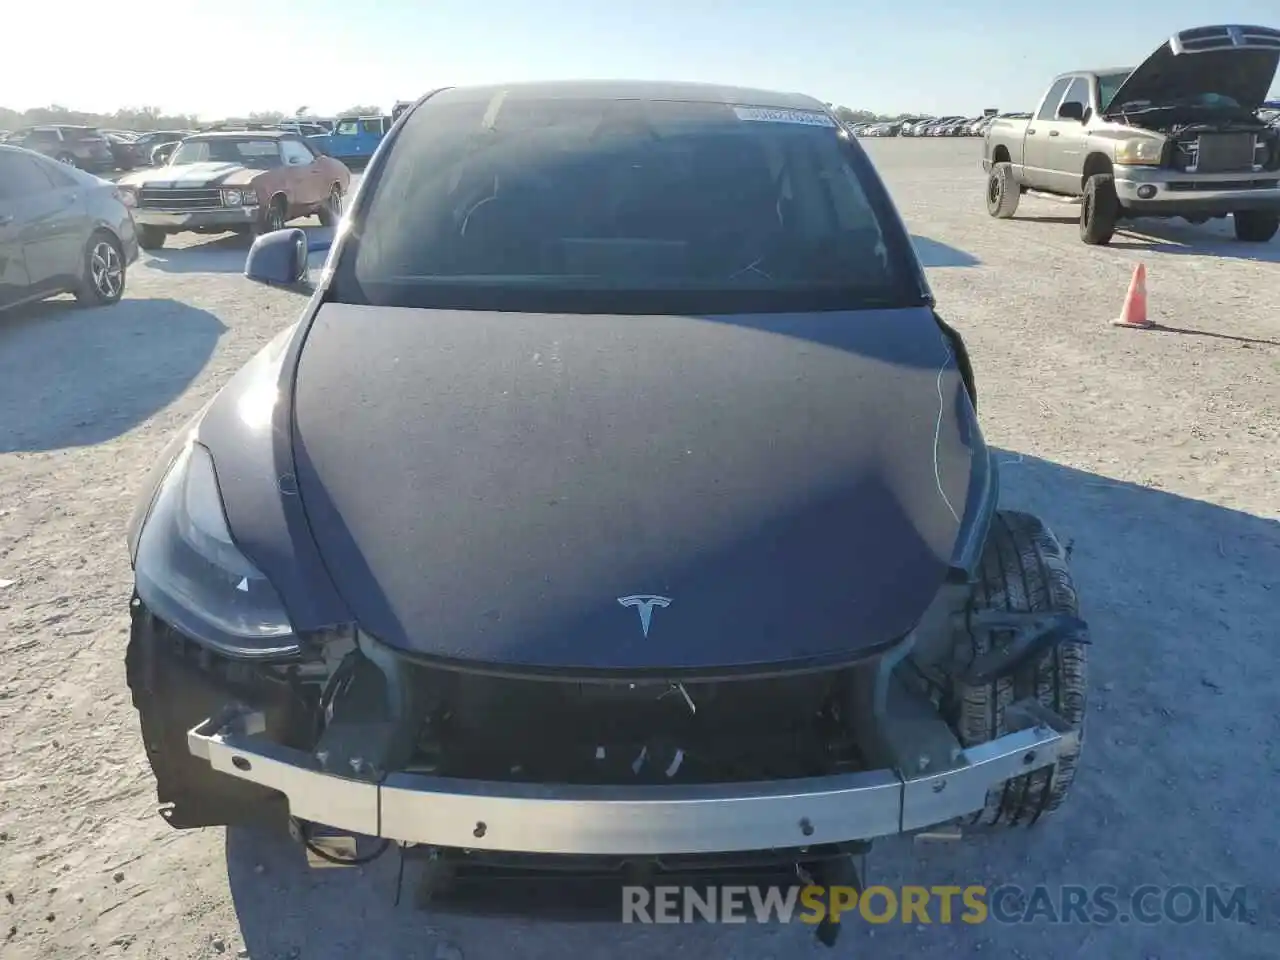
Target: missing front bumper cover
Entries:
(636, 820)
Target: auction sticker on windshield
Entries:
(810, 118)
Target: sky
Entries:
(217, 58)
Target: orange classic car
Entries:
(246, 181)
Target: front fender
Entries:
(247, 428)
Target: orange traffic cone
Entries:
(1134, 312)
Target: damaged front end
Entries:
(380, 745)
(1201, 92)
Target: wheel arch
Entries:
(1095, 163)
(1001, 155)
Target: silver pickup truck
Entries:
(1177, 136)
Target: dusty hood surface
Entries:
(210, 174)
(514, 489)
(1233, 61)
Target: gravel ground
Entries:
(1155, 452)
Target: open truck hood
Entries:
(608, 493)
(1234, 61)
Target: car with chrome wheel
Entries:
(241, 181)
(61, 231)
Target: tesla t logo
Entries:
(645, 603)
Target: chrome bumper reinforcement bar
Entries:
(639, 820)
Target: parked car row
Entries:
(67, 230)
(930, 126)
(103, 151)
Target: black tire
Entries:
(274, 217)
(150, 238)
(1255, 226)
(330, 211)
(102, 282)
(1024, 568)
(1099, 210)
(1003, 192)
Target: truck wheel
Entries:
(1255, 226)
(1099, 210)
(149, 238)
(1023, 568)
(1003, 192)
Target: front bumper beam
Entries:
(639, 820)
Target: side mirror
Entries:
(1071, 110)
(279, 258)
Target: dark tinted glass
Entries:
(1049, 109)
(550, 204)
(1108, 85)
(1078, 92)
(250, 153)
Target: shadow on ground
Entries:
(1172, 237)
(1179, 238)
(1181, 596)
(934, 253)
(72, 377)
(224, 253)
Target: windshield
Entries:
(624, 206)
(250, 153)
(1109, 85)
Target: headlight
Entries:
(191, 574)
(232, 198)
(1139, 152)
(128, 196)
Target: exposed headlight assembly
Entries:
(190, 573)
(1139, 152)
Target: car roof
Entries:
(74, 172)
(630, 90)
(242, 135)
(1096, 71)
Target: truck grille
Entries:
(1221, 153)
(178, 198)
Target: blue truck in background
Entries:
(354, 139)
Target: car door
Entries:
(1065, 140)
(342, 142)
(370, 136)
(13, 270)
(50, 219)
(1038, 146)
(306, 180)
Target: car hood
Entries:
(613, 493)
(209, 174)
(1234, 61)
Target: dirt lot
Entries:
(1156, 453)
